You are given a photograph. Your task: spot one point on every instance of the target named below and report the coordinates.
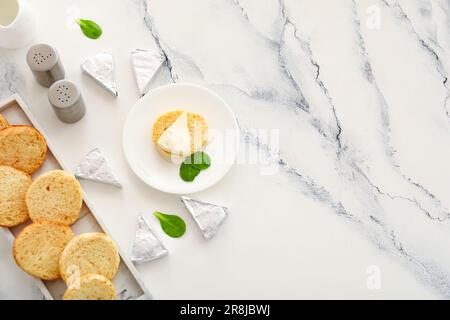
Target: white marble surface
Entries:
(362, 110)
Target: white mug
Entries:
(17, 24)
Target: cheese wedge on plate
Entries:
(178, 134)
(177, 138)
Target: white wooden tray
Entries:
(127, 282)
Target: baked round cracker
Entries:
(91, 287)
(22, 147)
(3, 122)
(89, 253)
(14, 185)
(55, 196)
(38, 247)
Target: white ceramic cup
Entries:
(17, 24)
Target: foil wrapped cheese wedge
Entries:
(209, 217)
(145, 65)
(102, 70)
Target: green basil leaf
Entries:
(188, 172)
(172, 225)
(90, 29)
(200, 160)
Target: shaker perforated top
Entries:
(63, 94)
(42, 57)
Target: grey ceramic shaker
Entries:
(66, 100)
(45, 64)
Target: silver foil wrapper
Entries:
(123, 295)
(147, 247)
(101, 68)
(209, 217)
(145, 65)
(94, 167)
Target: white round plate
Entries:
(150, 166)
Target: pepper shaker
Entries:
(45, 64)
(66, 100)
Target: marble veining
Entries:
(11, 81)
(284, 44)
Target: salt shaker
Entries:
(45, 64)
(66, 100)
